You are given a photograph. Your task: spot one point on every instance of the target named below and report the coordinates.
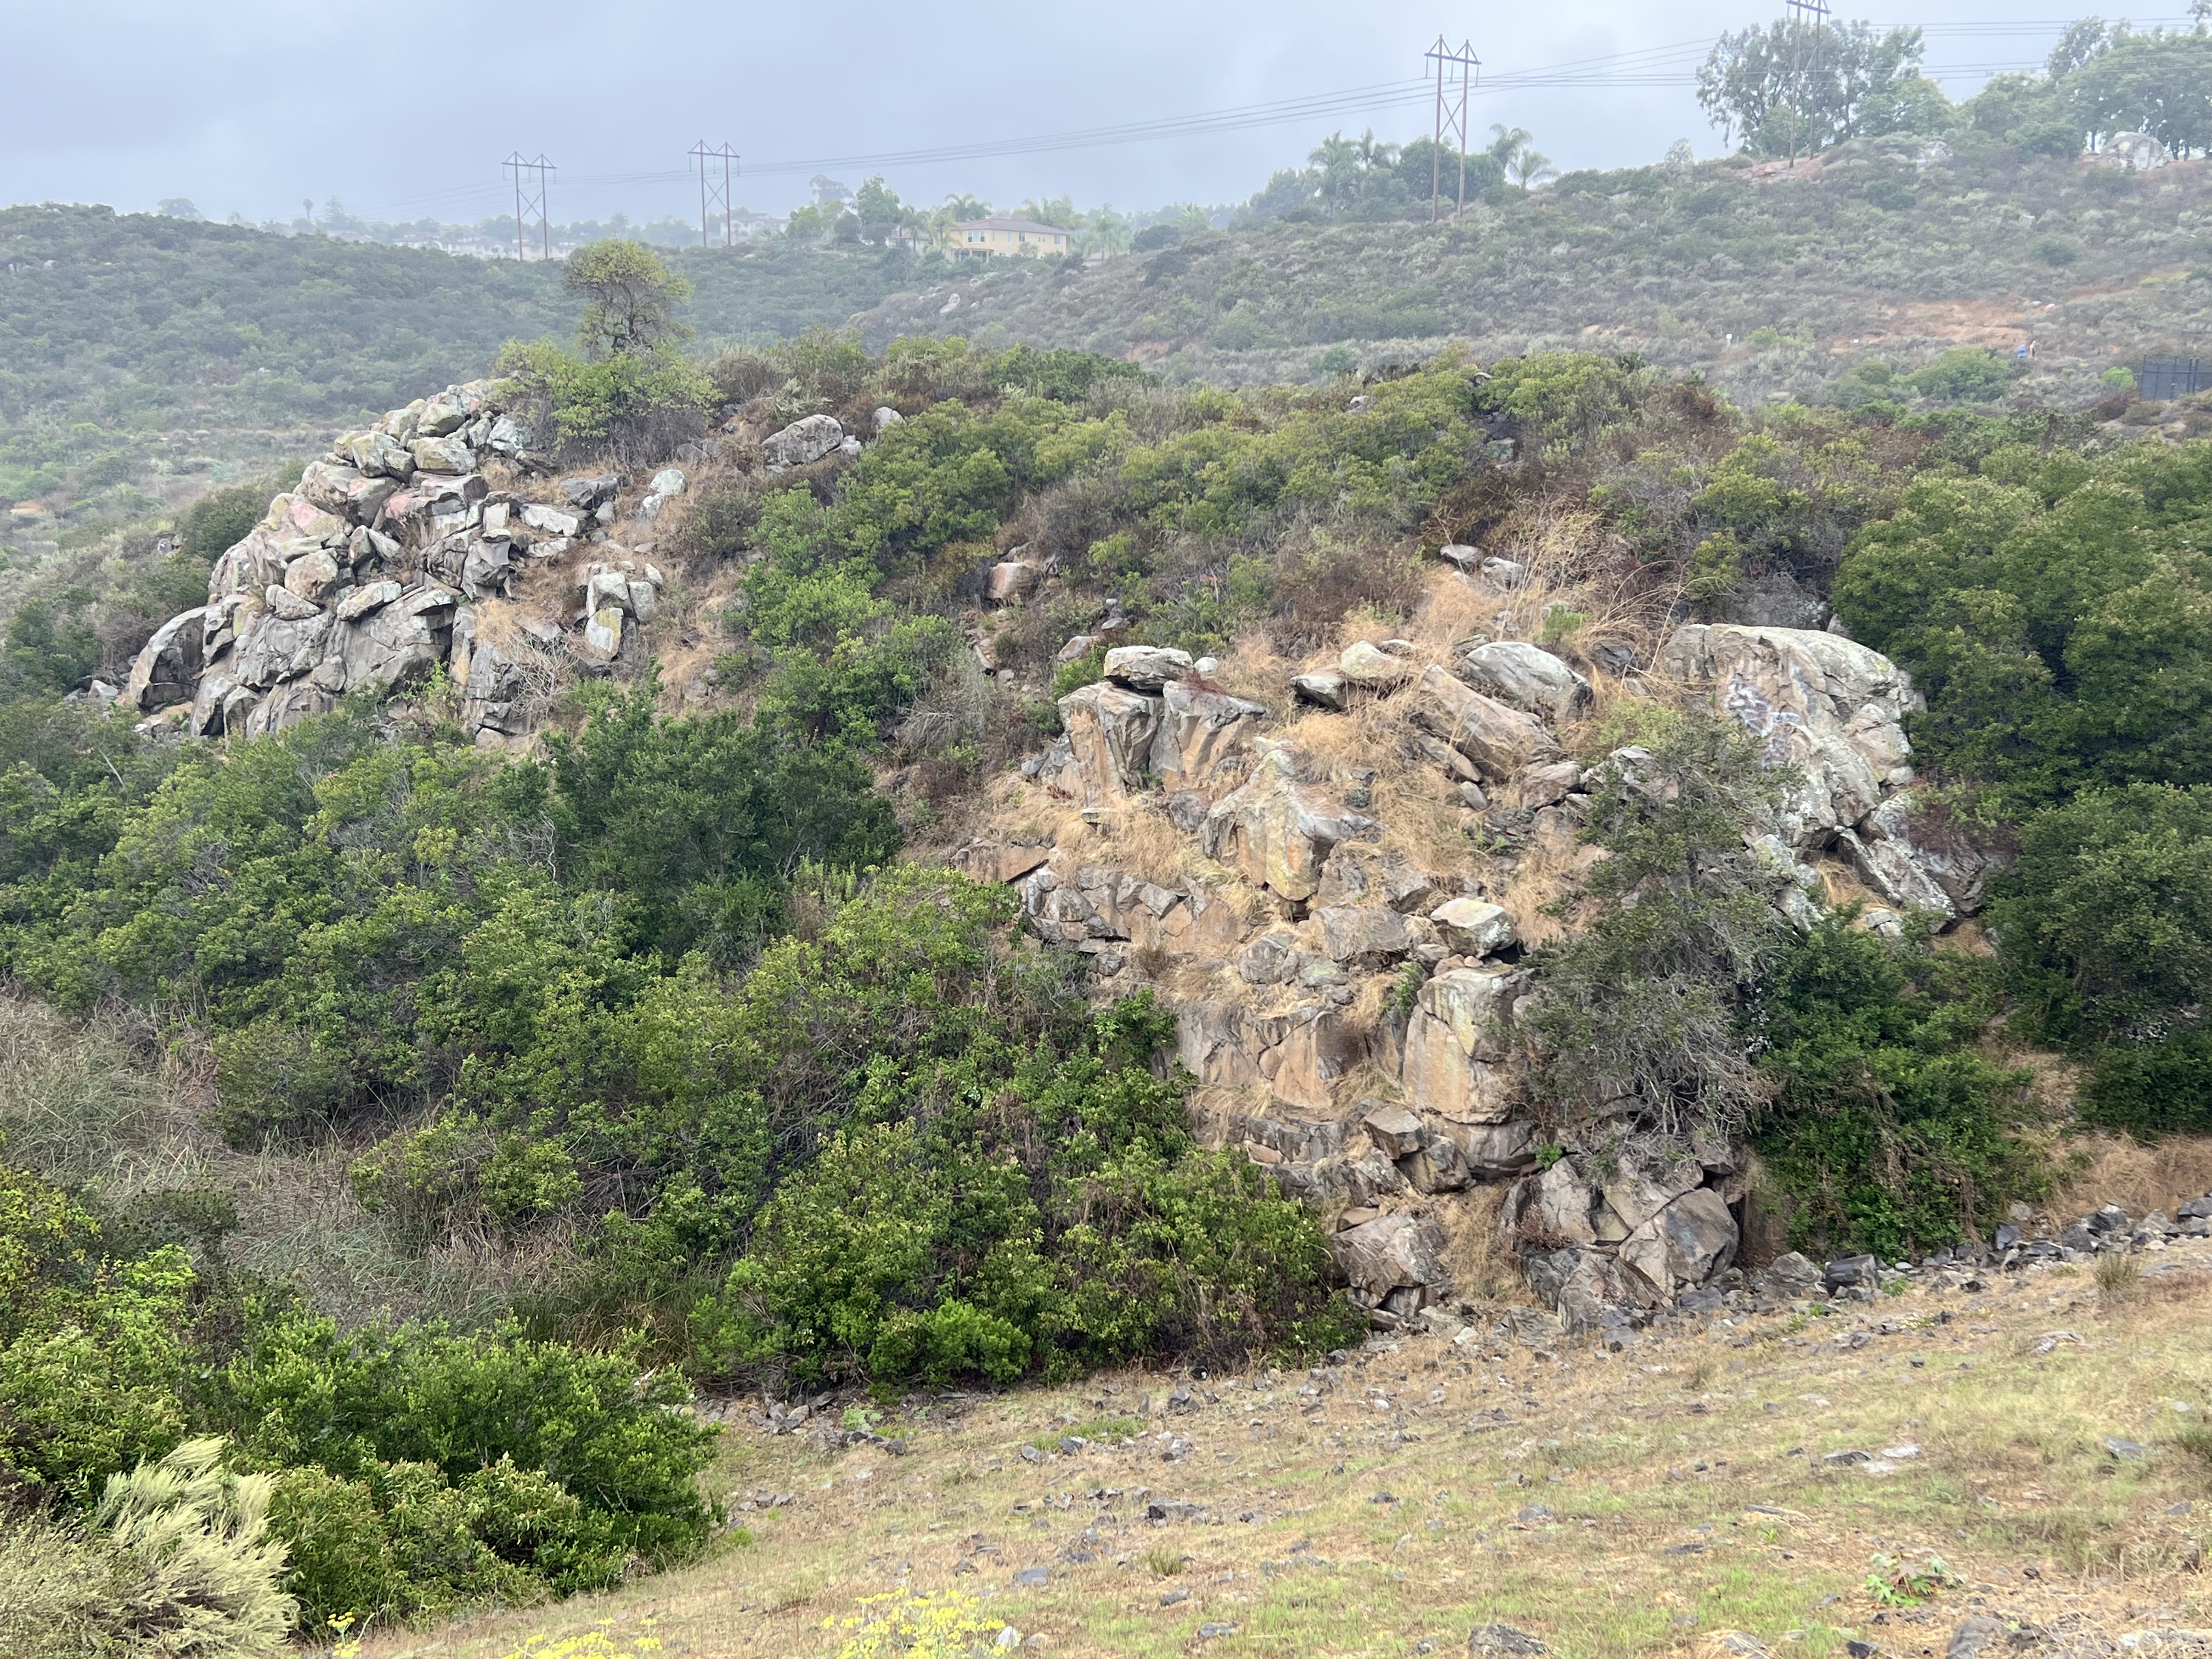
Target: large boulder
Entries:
(276, 648)
(1825, 705)
(1109, 733)
(1371, 934)
(1500, 742)
(1685, 1244)
(393, 645)
(1474, 928)
(1915, 871)
(1393, 1252)
(1275, 831)
(167, 663)
(1527, 678)
(1368, 666)
(1145, 667)
(1198, 731)
(251, 565)
(802, 442)
(1212, 1043)
(1455, 1037)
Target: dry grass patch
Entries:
(1613, 1505)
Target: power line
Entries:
(1654, 67)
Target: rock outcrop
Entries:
(1835, 711)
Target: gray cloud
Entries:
(405, 110)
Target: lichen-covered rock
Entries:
(314, 576)
(277, 648)
(1913, 872)
(1275, 831)
(1527, 678)
(1474, 928)
(1454, 1039)
(802, 442)
(1368, 666)
(1500, 742)
(1825, 705)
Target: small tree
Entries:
(629, 300)
(1648, 1001)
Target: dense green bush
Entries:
(1888, 1132)
(2104, 920)
(402, 1471)
(2055, 611)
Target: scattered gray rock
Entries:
(802, 443)
(1502, 1642)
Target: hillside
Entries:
(143, 358)
(952, 880)
(1880, 252)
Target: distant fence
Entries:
(2163, 378)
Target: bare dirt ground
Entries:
(1705, 1486)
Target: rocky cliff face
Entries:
(1331, 878)
(1329, 870)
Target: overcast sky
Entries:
(406, 109)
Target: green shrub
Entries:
(1888, 1132)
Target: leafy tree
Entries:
(2157, 83)
(629, 300)
(1788, 87)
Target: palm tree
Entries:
(1531, 167)
(1516, 152)
(1506, 143)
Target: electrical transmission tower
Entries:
(530, 203)
(1452, 116)
(711, 193)
(1800, 12)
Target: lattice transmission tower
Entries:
(530, 197)
(713, 193)
(1452, 108)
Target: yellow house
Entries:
(995, 238)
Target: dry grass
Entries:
(2113, 1169)
(1682, 1487)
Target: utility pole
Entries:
(710, 192)
(1451, 118)
(530, 202)
(1799, 10)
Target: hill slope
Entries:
(139, 355)
(1767, 282)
